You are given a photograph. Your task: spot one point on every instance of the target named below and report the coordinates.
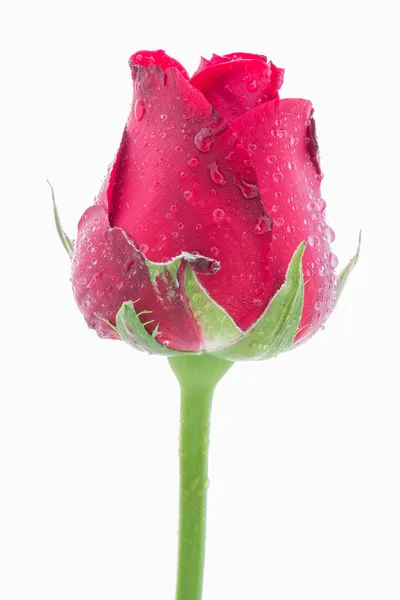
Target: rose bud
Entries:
(209, 233)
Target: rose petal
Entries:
(158, 58)
(236, 56)
(236, 86)
(285, 158)
(107, 270)
(183, 182)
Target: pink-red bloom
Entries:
(217, 166)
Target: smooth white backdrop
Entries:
(305, 450)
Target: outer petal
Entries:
(286, 160)
(236, 56)
(107, 270)
(235, 86)
(182, 181)
(216, 59)
(157, 58)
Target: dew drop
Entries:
(187, 194)
(252, 86)
(279, 221)
(264, 224)
(193, 162)
(143, 248)
(163, 117)
(216, 175)
(271, 158)
(204, 139)
(277, 176)
(231, 156)
(313, 240)
(139, 109)
(279, 133)
(330, 234)
(334, 260)
(252, 147)
(178, 149)
(199, 227)
(219, 214)
(249, 190)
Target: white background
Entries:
(305, 453)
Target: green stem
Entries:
(197, 376)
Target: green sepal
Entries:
(65, 240)
(128, 324)
(276, 329)
(218, 328)
(344, 275)
(132, 331)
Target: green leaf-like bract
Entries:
(276, 329)
(272, 334)
(217, 326)
(65, 240)
(344, 275)
(132, 331)
(128, 324)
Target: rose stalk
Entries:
(208, 242)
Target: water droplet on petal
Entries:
(271, 159)
(277, 176)
(219, 214)
(178, 149)
(216, 174)
(313, 240)
(187, 194)
(143, 248)
(193, 162)
(264, 224)
(203, 139)
(249, 190)
(252, 86)
(139, 109)
(330, 234)
(334, 260)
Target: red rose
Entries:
(218, 171)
